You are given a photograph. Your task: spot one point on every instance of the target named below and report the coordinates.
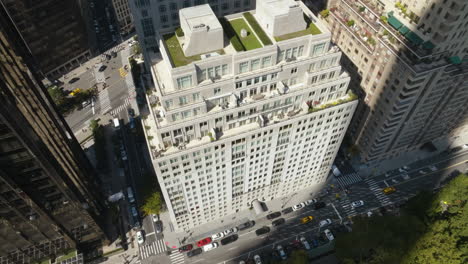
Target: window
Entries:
(266, 62)
(225, 69)
(264, 78)
(332, 75)
(163, 18)
(173, 6)
(162, 8)
(300, 51)
(225, 6)
(318, 49)
(255, 64)
(294, 70)
(147, 25)
(217, 90)
(202, 75)
(196, 97)
(175, 116)
(238, 84)
(243, 67)
(184, 82)
(186, 114)
(182, 100)
(169, 104)
(248, 82)
(218, 71)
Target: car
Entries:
(241, 262)
(406, 168)
(204, 241)
(140, 237)
(194, 252)
(298, 206)
(312, 201)
(315, 242)
(230, 231)
(246, 225)
(357, 204)
(325, 222)
(158, 226)
(305, 243)
(278, 222)
(369, 213)
(184, 248)
(210, 246)
(433, 168)
(401, 170)
(465, 146)
(229, 239)
(319, 205)
(307, 219)
(73, 80)
(217, 236)
(422, 172)
(257, 259)
(329, 234)
(131, 112)
(273, 215)
(134, 211)
(114, 54)
(85, 103)
(123, 154)
(154, 217)
(287, 210)
(102, 68)
(389, 190)
(405, 176)
(262, 231)
(281, 252)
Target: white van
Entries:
(130, 196)
(210, 246)
(116, 123)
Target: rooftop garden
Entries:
(70, 254)
(233, 28)
(257, 28)
(311, 29)
(175, 51)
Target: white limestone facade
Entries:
(236, 126)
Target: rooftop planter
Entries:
(311, 29)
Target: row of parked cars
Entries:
(209, 243)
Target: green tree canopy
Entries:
(153, 204)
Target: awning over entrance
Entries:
(395, 23)
(258, 207)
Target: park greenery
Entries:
(324, 13)
(153, 204)
(432, 228)
(67, 102)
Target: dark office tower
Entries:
(54, 31)
(48, 195)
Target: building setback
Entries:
(239, 123)
(410, 62)
(54, 32)
(49, 199)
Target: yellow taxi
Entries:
(389, 190)
(306, 219)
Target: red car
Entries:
(204, 241)
(185, 248)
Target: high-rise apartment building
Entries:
(409, 58)
(54, 32)
(48, 195)
(255, 119)
(150, 16)
(123, 15)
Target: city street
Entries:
(338, 210)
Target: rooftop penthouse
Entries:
(204, 40)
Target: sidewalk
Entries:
(177, 239)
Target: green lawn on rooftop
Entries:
(69, 254)
(176, 53)
(250, 42)
(311, 29)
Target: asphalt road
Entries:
(420, 177)
(114, 98)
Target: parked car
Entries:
(329, 234)
(246, 225)
(154, 217)
(298, 206)
(85, 103)
(278, 222)
(230, 231)
(73, 80)
(433, 168)
(281, 252)
(194, 252)
(210, 246)
(102, 68)
(312, 201)
(158, 227)
(319, 205)
(257, 259)
(204, 241)
(305, 243)
(325, 222)
(389, 190)
(184, 248)
(229, 239)
(134, 211)
(307, 219)
(262, 230)
(287, 210)
(401, 170)
(140, 237)
(315, 242)
(273, 215)
(406, 168)
(357, 204)
(131, 112)
(217, 236)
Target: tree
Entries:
(325, 13)
(153, 204)
(350, 23)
